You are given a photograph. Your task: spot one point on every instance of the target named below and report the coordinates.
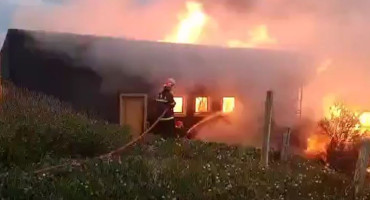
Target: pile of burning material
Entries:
(338, 137)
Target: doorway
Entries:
(133, 112)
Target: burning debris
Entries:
(317, 145)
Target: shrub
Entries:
(34, 126)
(342, 127)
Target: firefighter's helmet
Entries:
(170, 82)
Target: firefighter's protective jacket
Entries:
(165, 100)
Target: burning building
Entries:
(117, 79)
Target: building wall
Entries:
(95, 86)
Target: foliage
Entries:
(35, 126)
(182, 169)
(343, 129)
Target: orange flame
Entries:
(190, 26)
(201, 104)
(365, 119)
(317, 145)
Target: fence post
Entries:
(361, 166)
(267, 130)
(284, 154)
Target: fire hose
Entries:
(119, 150)
(192, 131)
(108, 155)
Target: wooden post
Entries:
(300, 101)
(284, 154)
(267, 130)
(361, 166)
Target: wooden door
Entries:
(133, 113)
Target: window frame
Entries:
(208, 106)
(183, 113)
(222, 103)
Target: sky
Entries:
(7, 10)
(9, 7)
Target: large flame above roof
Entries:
(192, 25)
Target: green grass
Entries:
(38, 131)
(34, 127)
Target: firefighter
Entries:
(165, 100)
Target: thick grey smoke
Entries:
(334, 30)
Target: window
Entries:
(228, 104)
(201, 104)
(179, 107)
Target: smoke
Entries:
(116, 18)
(232, 128)
(334, 31)
(239, 6)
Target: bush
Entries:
(34, 126)
(342, 127)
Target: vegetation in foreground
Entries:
(37, 131)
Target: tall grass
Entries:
(34, 126)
